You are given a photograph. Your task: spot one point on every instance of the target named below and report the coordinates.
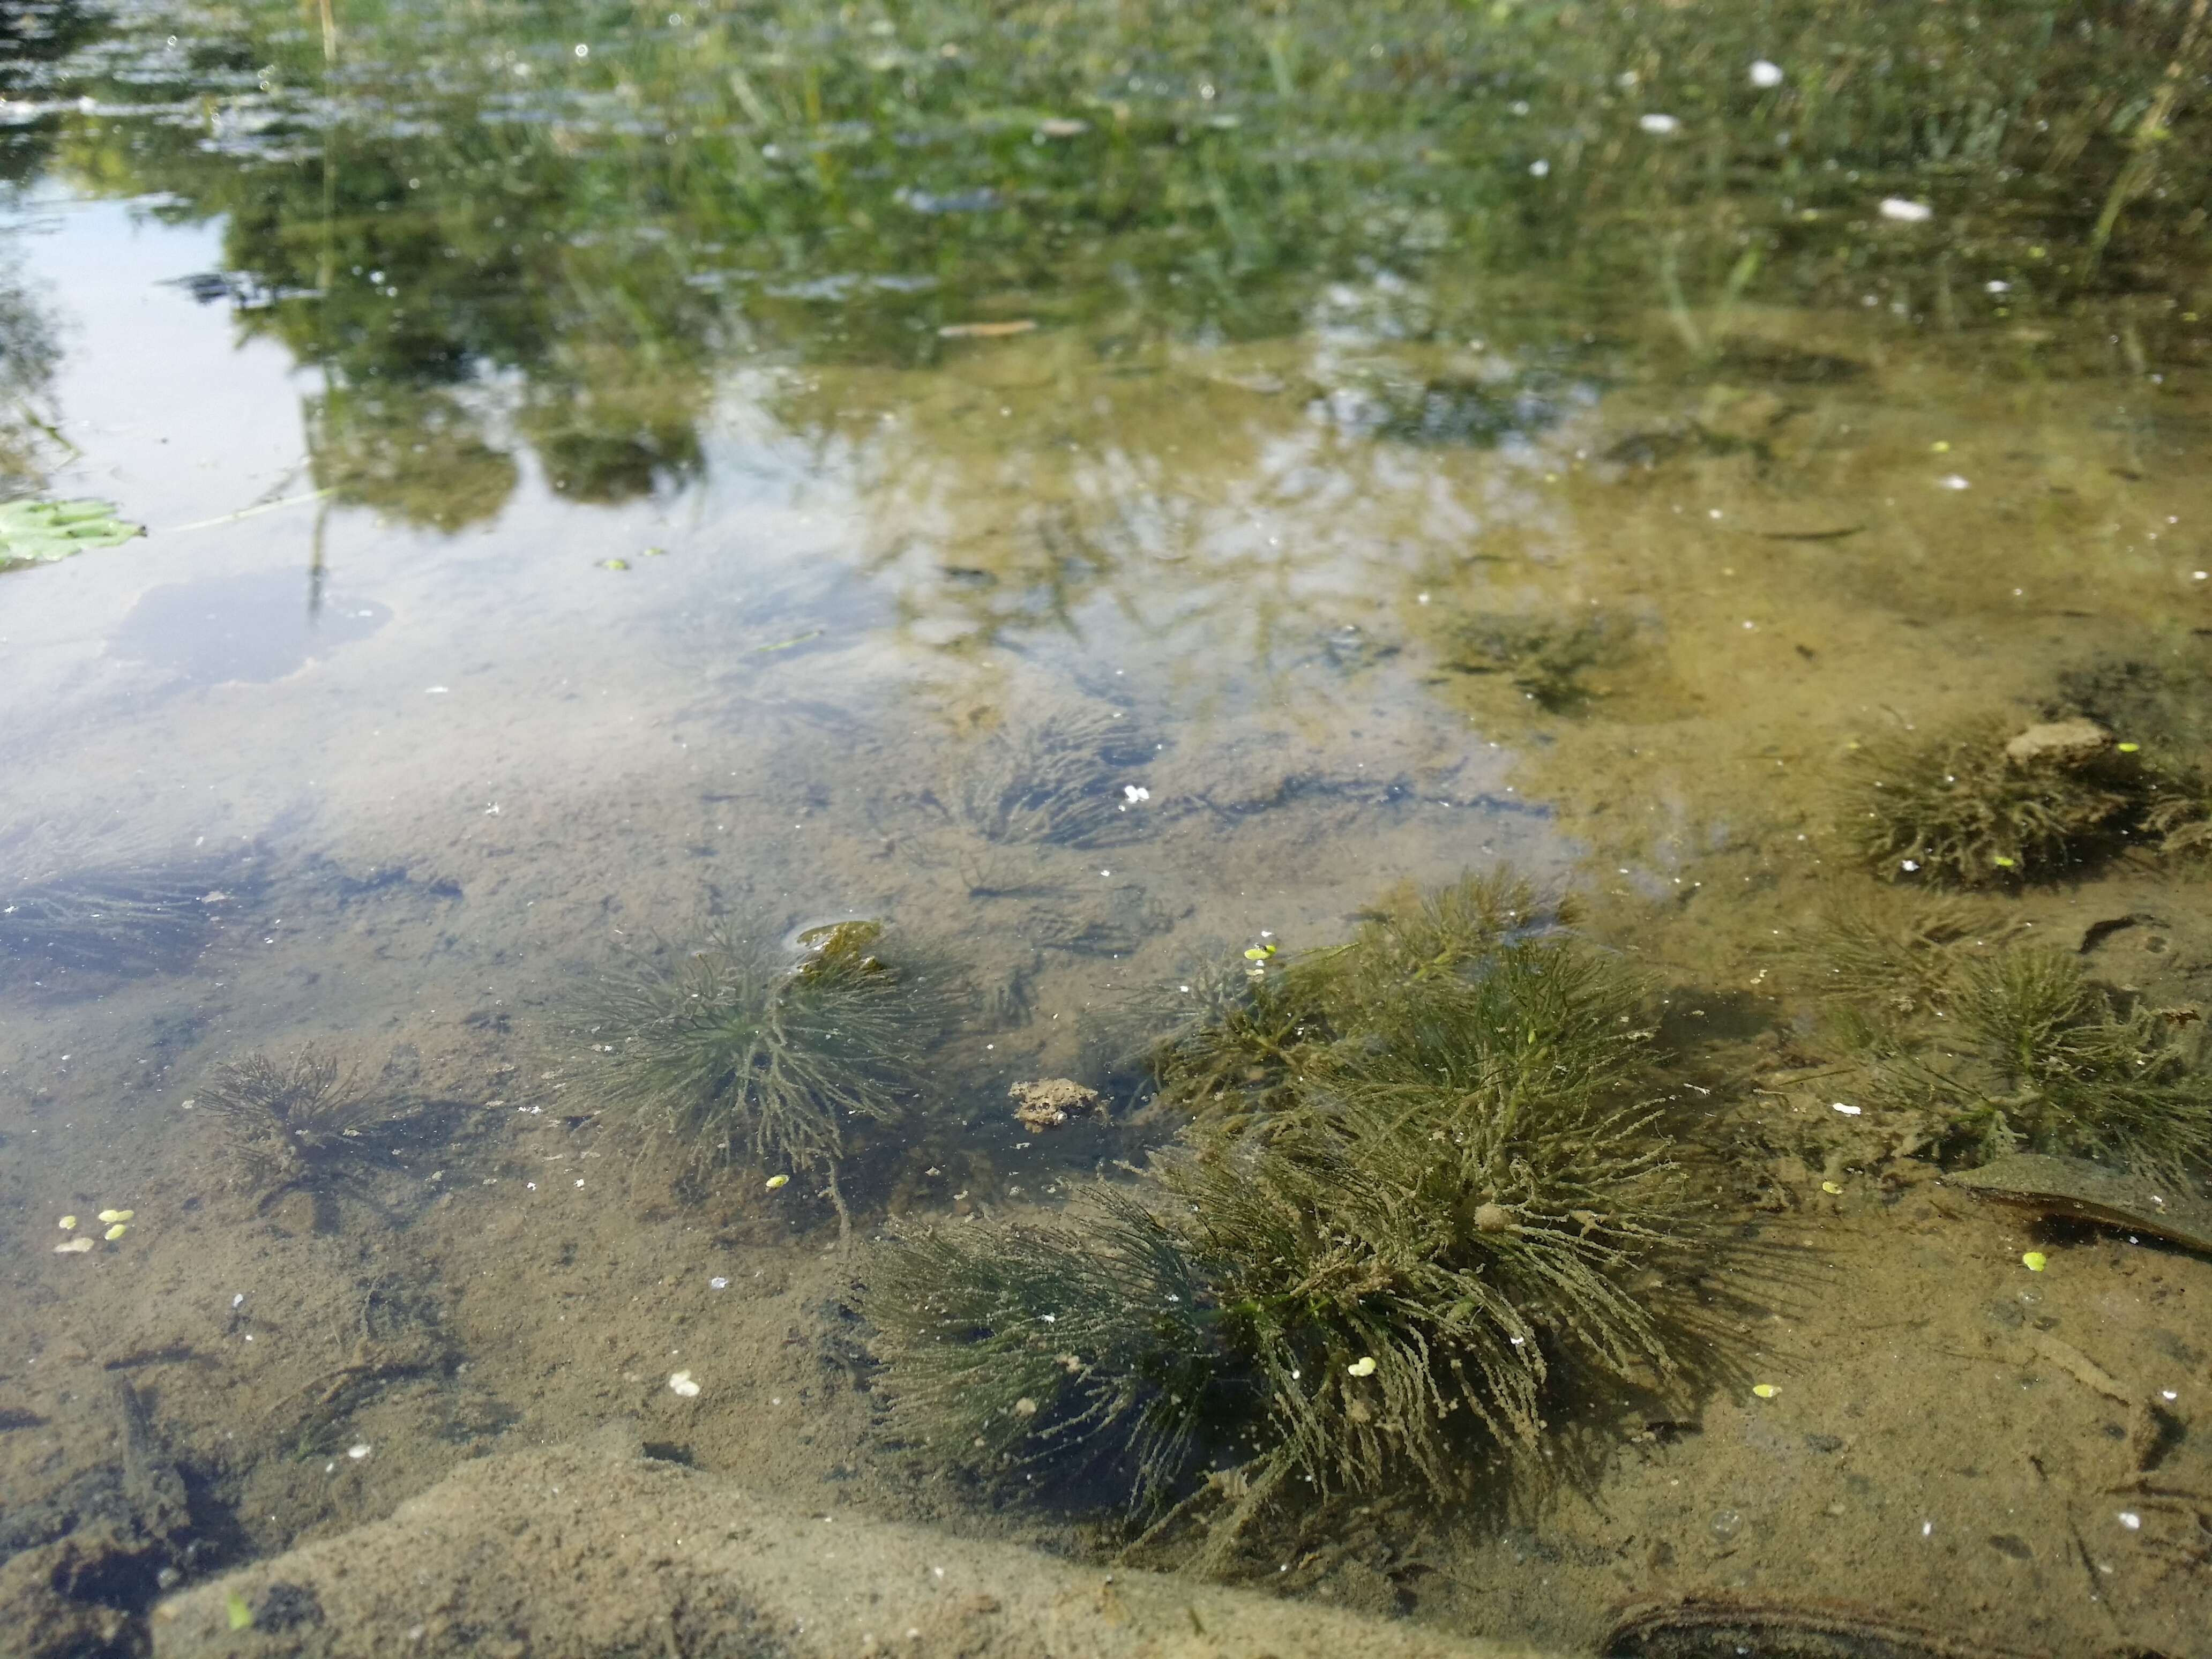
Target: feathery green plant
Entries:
(744, 1056)
(2036, 1056)
(1955, 809)
(1457, 1189)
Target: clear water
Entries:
(606, 469)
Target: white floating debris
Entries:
(358, 1451)
(434, 691)
(1952, 481)
(1537, 169)
(1658, 125)
(1362, 1366)
(77, 1246)
(239, 1300)
(2130, 1520)
(718, 1283)
(69, 1223)
(1906, 212)
(1997, 288)
(1848, 1111)
(1763, 74)
(1133, 792)
(684, 1385)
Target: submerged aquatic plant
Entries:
(282, 1125)
(1547, 659)
(1967, 808)
(2053, 1062)
(123, 921)
(1457, 1189)
(1900, 953)
(1237, 1042)
(1058, 779)
(1089, 1337)
(744, 1056)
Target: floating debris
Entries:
(41, 532)
(117, 1215)
(777, 1182)
(2076, 1187)
(2034, 1260)
(1362, 1366)
(68, 1222)
(115, 1232)
(985, 331)
(684, 1385)
(1905, 212)
(77, 1246)
(358, 1451)
(1764, 1390)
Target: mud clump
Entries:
(1049, 1102)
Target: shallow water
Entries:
(1101, 491)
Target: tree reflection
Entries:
(497, 226)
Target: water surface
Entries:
(607, 468)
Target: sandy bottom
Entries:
(793, 724)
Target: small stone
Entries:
(2059, 743)
(1492, 1218)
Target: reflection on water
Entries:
(1093, 514)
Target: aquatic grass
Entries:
(1954, 809)
(738, 1053)
(279, 1125)
(1237, 1040)
(1901, 951)
(122, 920)
(1459, 1189)
(1057, 780)
(1084, 1339)
(2047, 1061)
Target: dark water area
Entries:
(1399, 807)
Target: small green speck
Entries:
(2034, 1262)
(2129, 748)
(614, 564)
(241, 1616)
